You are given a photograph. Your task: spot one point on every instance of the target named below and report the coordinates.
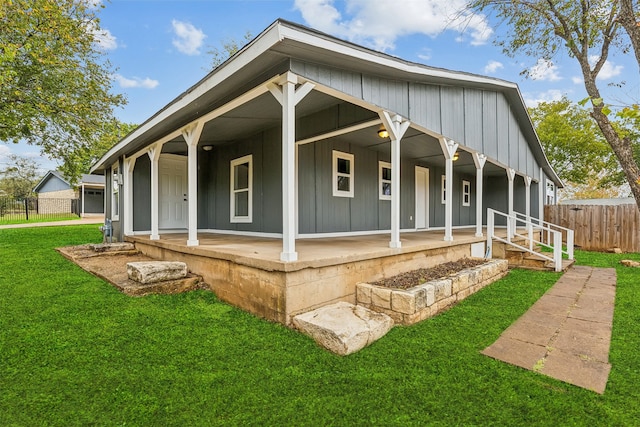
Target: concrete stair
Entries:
(519, 258)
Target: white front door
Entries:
(422, 198)
(173, 204)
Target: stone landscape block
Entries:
(363, 293)
(343, 328)
(403, 302)
(112, 247)
(443, 288)
(156, 271)
(381, 297)
(431, 294)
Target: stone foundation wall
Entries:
(430, 298)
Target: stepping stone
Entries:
(113, 247)
(343, 328)
(156, 271)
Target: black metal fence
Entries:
(35, 209)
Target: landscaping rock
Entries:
(112, 247)
(156, 271)
(343, 328)
(630, 263)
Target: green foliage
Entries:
(573, 143)
(228, 48)
(54, 81)
(75, 351)
(18, 176)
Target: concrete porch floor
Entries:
(264, 253)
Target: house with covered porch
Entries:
(305, 164)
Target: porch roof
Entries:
(269, 55)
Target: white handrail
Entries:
(512, 221)
(549, 227)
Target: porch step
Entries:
(531, 261)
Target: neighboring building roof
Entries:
(284, 40)
(601, 202)
(88, 179)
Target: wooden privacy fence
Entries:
(599, 227)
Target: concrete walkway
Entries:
(97, 219)
(566, 334)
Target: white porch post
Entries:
(541, 190)
(396, 126)
(287, 95)
(154, 155)
(449, 148)
(191, 136)
(129, 164)
(527, 197)
(511, 174)
(479, 160)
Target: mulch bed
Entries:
(414, 278)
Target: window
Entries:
(444, 189)
(115, 192)
(385, 180)
(342, 174)
(551, 199)
(242, 189)
(466, 193)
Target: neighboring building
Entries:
(56, 195)
(301, 135)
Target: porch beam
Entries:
(449, 148)
(129, 164)
(191, 135)
(479, 160)
(396, 126)
(154, 155)
(288, 96)
(511, 174)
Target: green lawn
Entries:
(34, 217)
(74, 351)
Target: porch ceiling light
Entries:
(382, 132)
(207, 147)
(455, 156)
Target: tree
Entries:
(79, 160)
(19, 176)
(54, 80)
(575, 147)
(588, 30)
(229, 48)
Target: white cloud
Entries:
(4, 152)
(608, 70)
(577, 80)
(136, 82)
(544, 70)
(188, 38)
(104, 39)
(492, 66)
(425, 54)
(532, 100)
(379, 23)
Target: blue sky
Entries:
(159, 47)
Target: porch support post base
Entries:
(395, 245)
(193, 242)
(288, 256)
(154, 237)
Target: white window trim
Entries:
(381, 180)
(334, 176)
(466, 193)
(232, 191)
(115, 191)
(443, 192)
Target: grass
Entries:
(34, 217)
(74, 351)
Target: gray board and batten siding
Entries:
(481, 120)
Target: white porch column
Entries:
(511, 174)
(191, 136)
(154, 155)
(288, 96)
(129, 164)
(449, 148)
(479, 160)
(396, 126)
(541, 190)
(527, 184)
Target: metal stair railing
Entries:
(512, 221)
